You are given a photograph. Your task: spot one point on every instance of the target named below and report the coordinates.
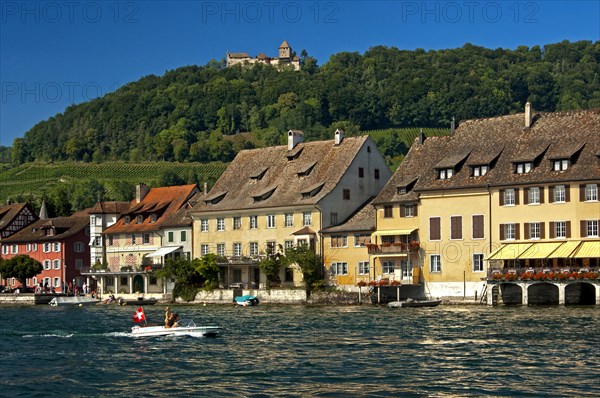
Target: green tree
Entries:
(187, 279)
(310, 264)
(169, 178)
(20, 267)
(208, 269)
(271, 266)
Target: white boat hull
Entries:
(187, 330)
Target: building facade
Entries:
(273, 198)
(285, 58)
(507, 193)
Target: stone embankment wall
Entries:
(277, 296)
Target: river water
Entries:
(304, 351)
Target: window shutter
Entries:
(415, 207)
(526, 196)
(552, 230)
(501, 197)
(434, 228)
(542, 230)
(516, 196)
(501, 231)
(402, 211)
(582, 193)
(517, 232)
(541, 194)
(567, 193)
(551, 194)
(526, 230)
(568, 229)
(583, 228)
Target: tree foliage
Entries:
(20, 267)
(271, 267)
(189, 113)
(309, 263)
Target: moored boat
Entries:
(73, 300)
(414, 303)
(247, 300)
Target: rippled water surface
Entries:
(304, 351)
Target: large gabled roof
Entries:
(164, 202)
(363, 219)
(500, 143)
(110, 207)
(64, 227)
(276, 176)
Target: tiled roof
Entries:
(284, 44)
(362, 220)
(500, 142)
(243, 185)
(238, 55)
(9, 212)
(110, 207)
(64, 227)
(165, 202)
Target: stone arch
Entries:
(543, 293)
(512, 294)
(580, 293)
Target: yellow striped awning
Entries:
(540, 250)
(389, 232)
(565, 250)
(509, 251)
(587, 250)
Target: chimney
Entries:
(422, 137)
(140, 192)
(528, 115)
(206, 188)
(294, 137)
(339, 136)
(452, 126)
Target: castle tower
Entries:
(285, 51)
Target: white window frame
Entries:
(591, 227)
(444, 174)
(289, 219)
(237, 249)
(339, 268)
(435, 263)
(409, 210)
(560, 226)
(254, 249)
(306, 219)
(47, 264)
(4, 249)
(509, 197)
(204, 249)
(509, 231)
(591, 192)
(204, 225)
(560, 164)
(56, 247)
(56, 264)
(534, 230)
(57, 282)
(388, 266)
(221, 249)
(478, 262)
(533, 196)
(220, 224)
(524, 167)
(364, 267)
(14, 249)
(253, 222)
(236, 223)
(559, 194)
(271, 221)
(47, 247)
(145, 239)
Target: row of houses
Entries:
(496, 195)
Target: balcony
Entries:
(542, 274)
(393, 248)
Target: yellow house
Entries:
(514, 191)
(345, 248)
(269, 199)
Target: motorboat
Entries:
(414, 303)
(185, 327)
(73, 300)
(246, 300)
(138, 301)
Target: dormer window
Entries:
(444, 174)
(523, 167)
(401, 190)
(153, 217)
(139, 219)
(260, 175)
(312, 191)
(477, 171)
(560, 164)
(126, 220)
(307, 170)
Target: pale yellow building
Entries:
(272, 198)
(515, 191)
(285, 58)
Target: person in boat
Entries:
(172, 322)
(167, 315)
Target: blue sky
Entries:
(56, 53)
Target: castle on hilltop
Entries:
(286, 57)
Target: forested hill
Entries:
(183, 114)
